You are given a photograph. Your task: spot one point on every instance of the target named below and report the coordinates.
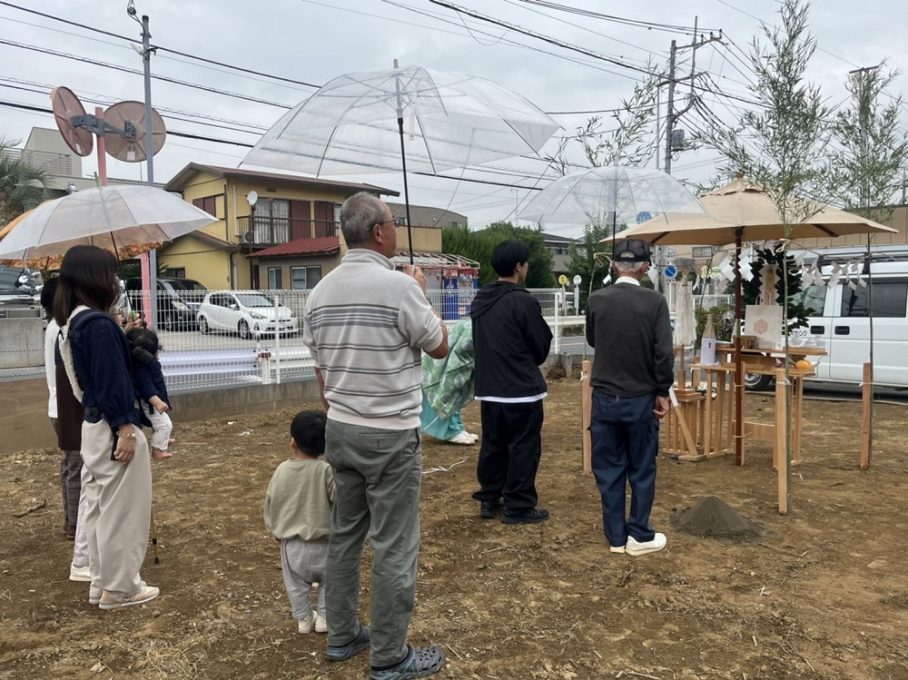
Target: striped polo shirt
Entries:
(366, 326)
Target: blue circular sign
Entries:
(670, 271)
(643, 216)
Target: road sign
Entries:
(670, 253)
(563, 280)
(670, 271)
(577, 279)
(643, 216)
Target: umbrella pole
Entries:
(739, 364)
(403, 161)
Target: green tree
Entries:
(627, 143)
(871, 151)
(589, 258)
(782, 144)
(22, 187)
(872, 148)
(478, 245)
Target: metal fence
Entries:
(237, 337)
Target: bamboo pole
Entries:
(739, 362)
(866, 411)
(783, 461)
(586, 407)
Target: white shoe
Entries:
(617, 549)
(306, 624)
(79, 573)
(111, 601)
(321, 624)
(474, 436)
(636, 548)
(464, 438)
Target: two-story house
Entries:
(273, 230)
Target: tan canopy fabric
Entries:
(741, 204)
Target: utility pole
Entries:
(146, 53)
(671, 80)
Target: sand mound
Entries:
(714, 518)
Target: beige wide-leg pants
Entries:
(118, 510)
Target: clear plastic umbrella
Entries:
(124, 219)
(610, 196)
(402, 118)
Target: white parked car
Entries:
(251, 314)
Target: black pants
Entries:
(509, 456)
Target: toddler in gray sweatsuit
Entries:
(298, 515)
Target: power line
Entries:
(204, 138)
(125, 69)
(544, 38)
(38, 88)
(157, 47)
(507, 41)
(638, 23)
(582, 27)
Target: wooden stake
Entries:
(780, 449)
(867, 404)
(586, 407)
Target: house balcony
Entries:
(264, 232)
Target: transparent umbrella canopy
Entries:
(404, 118)
(610, 196)
(125, 220)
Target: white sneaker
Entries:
(636, 548)
(94, 595)
(475, 437)
(617, 549)
(110, 600)
(321, 624)
(79, 573)
(306, 624)
(464, 438)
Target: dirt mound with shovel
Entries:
(711, 517)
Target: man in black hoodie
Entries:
(510, 340)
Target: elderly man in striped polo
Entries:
(366, 326)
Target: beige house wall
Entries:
(201, 261)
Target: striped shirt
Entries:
(366, 326)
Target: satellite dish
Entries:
(129, 146)
(66, 106)
(249, 236)
(252, 198)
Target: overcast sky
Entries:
(313, 41)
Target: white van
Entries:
(840, 323)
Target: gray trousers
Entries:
(378, 475)
(70, 480)
(303, 563)
(117, 510)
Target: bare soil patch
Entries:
(821, 595)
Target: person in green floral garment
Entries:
(447, 385)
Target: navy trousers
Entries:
(509, 454)
(625, 437)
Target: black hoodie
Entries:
(510, 341)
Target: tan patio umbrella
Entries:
(742, 211)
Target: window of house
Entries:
(208, 204)
(175, 272)
(272, 220)
(305, 278)
(275, 278)
(889, 299)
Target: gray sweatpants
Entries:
(378, 475)
(118, 510)
(303, 563)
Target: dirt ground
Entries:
(822, 595)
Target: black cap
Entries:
(632, 250)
